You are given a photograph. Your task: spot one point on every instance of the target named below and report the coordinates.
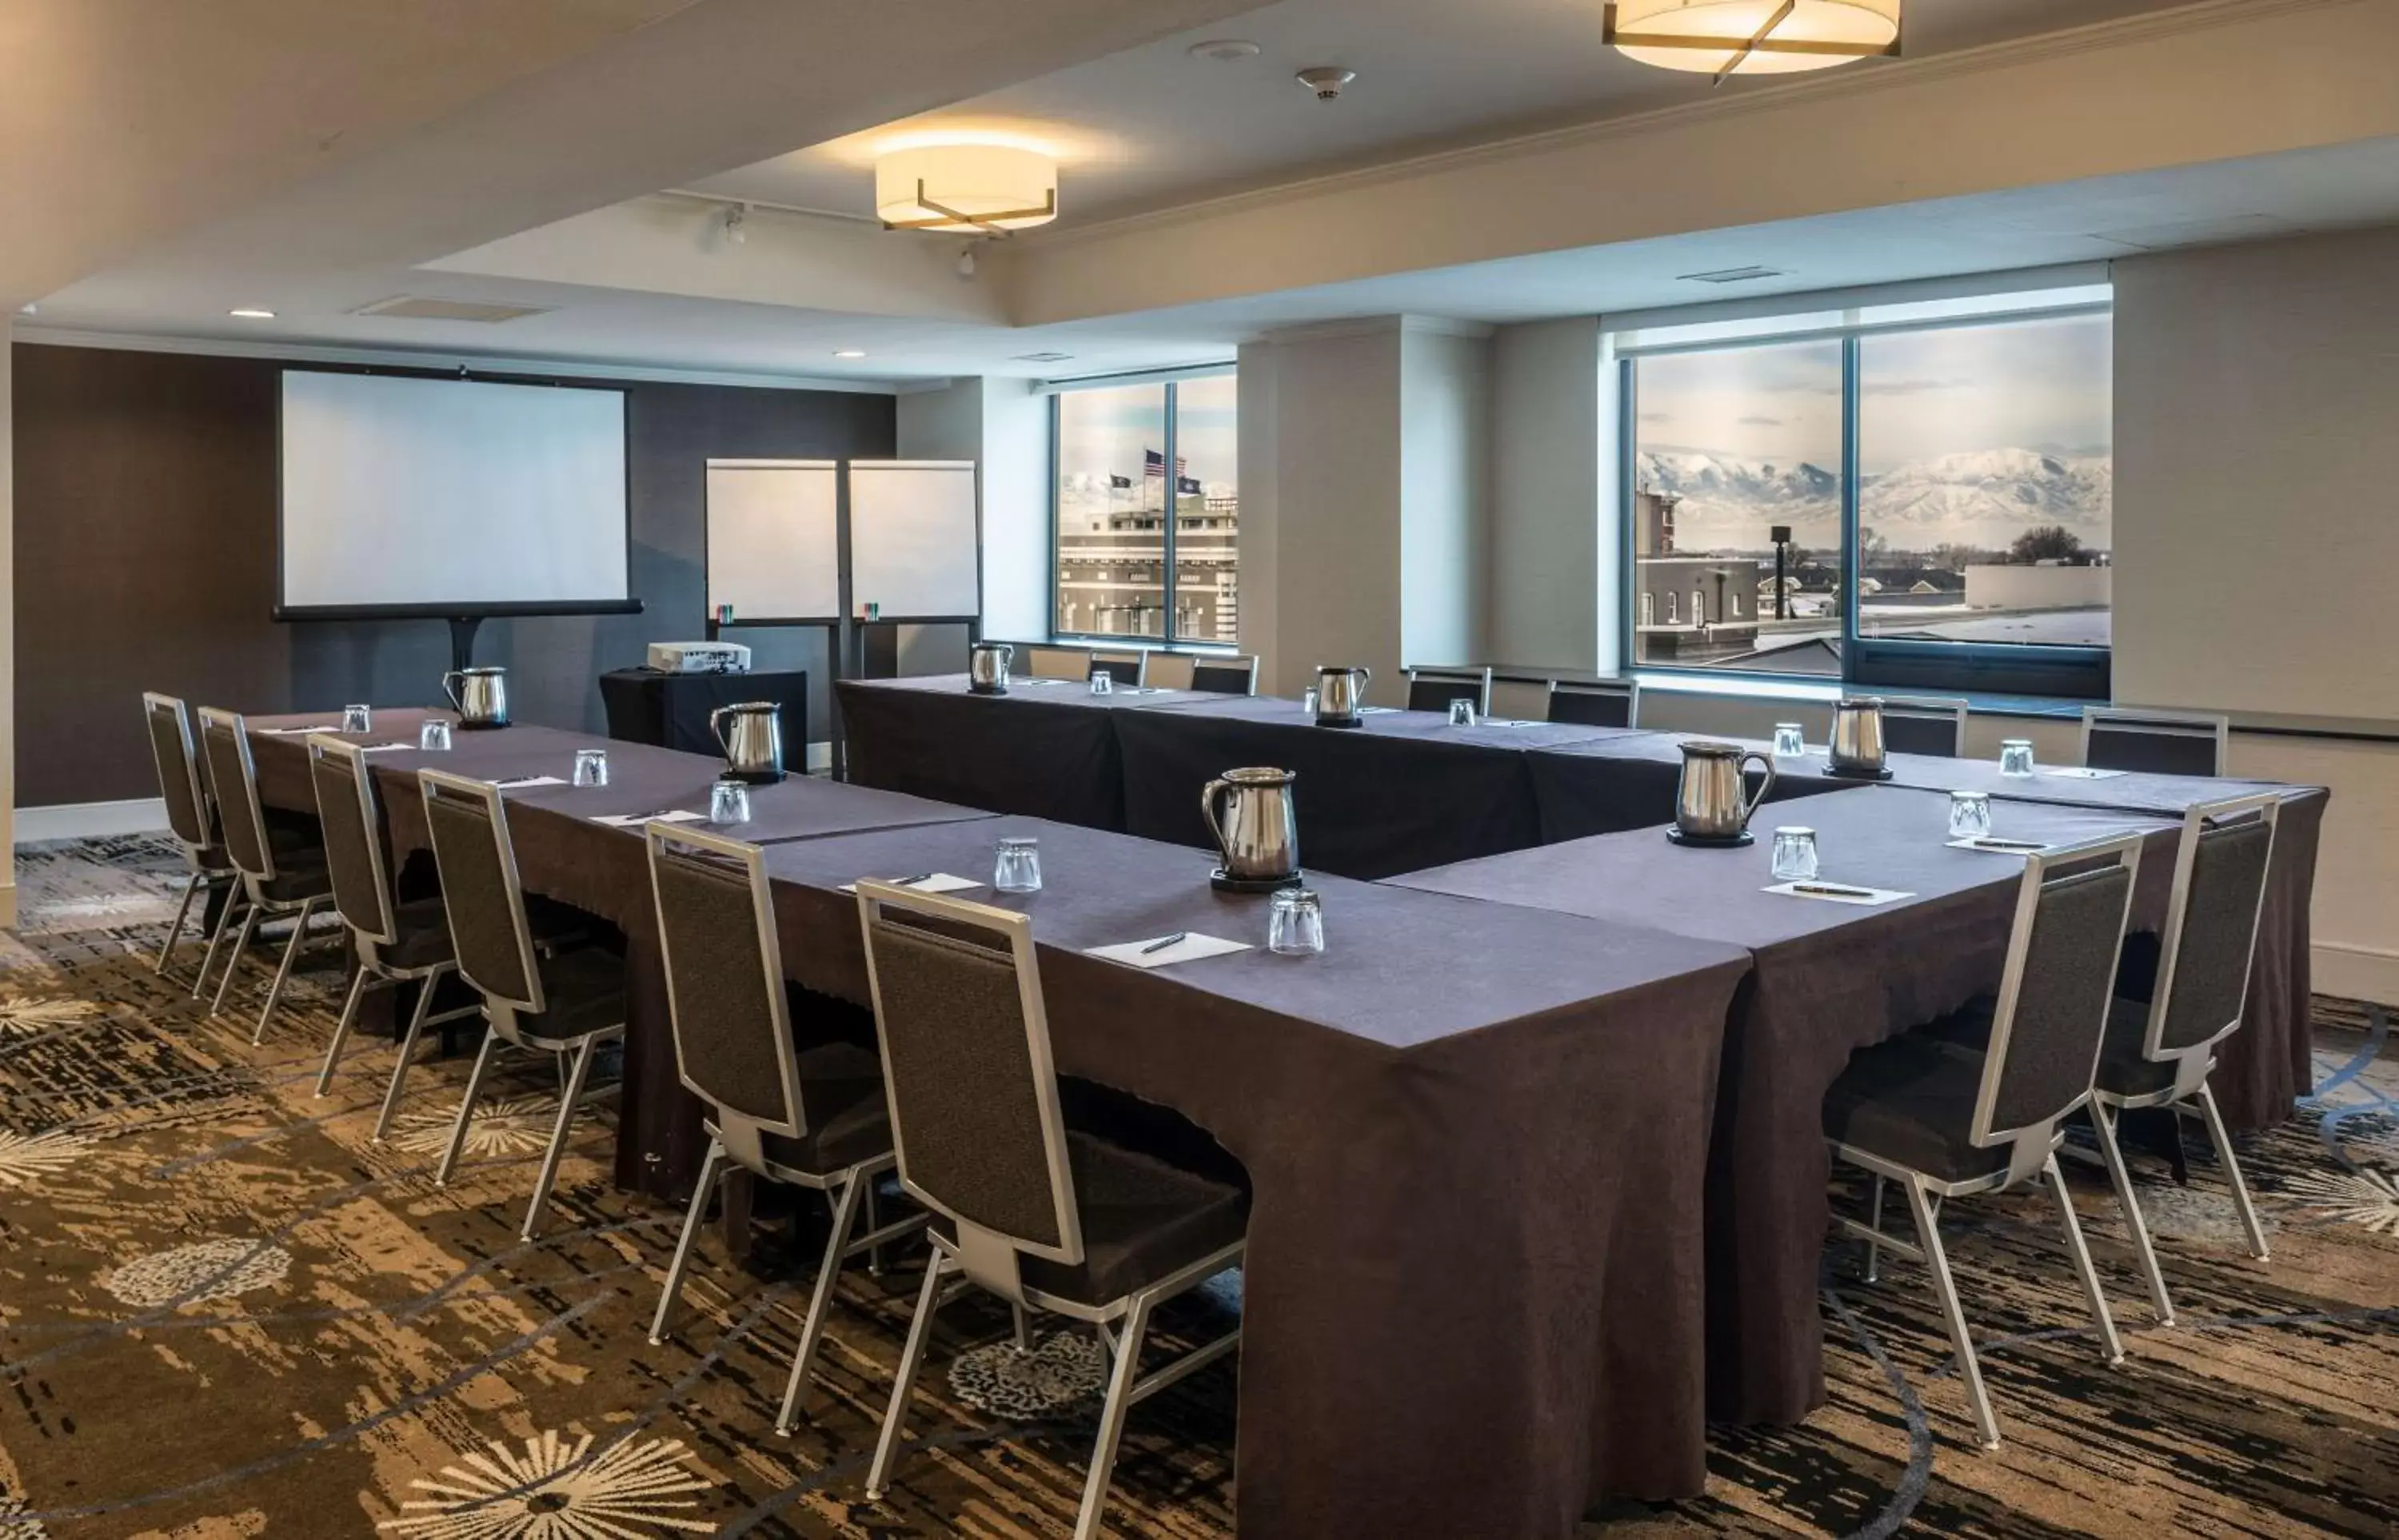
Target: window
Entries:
(1919, 499)
(1125, 567)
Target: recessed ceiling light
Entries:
(1224, 50)
(252, 313)
(849, 353)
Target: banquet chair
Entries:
(558, 1003)
(189, 818)
(1212, 672)
(2160, 1046)
(1050, 1218)
(1433, 689)
(1595, 703)
(394, 943)
(813, 1118)
(1129, 670)
(2168, 743)
(1925, 724)
(1058, 663)
(278, 881)
(1944, 1120)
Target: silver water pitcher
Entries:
(1255, 826)
(480, 695)
(753, 744)
(1710, 807)
(1340, 692)
(1857, 736)
(987, 668)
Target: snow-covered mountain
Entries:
(1986, 498)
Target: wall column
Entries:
(8, 629)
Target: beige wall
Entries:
(7, 634)
(1552, 575)
(1445, 477)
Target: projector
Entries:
(700, 658)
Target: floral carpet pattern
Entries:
(226, 1312)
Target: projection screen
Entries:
(450, 497)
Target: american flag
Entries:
(1154, 464)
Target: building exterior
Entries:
(1112, 562)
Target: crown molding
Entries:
(2203, 16)
(129, 341)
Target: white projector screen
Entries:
(450, 496)
(914, 538)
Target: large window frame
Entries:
(1170, 380)
(1955, 668)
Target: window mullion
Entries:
(1852, 554)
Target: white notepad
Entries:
(383, 747)
(294, 732)
(1190, 949)
(523, 783)
(635, 820)
(940, 881)
(1863, 895)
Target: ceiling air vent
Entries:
(1041, 358)
(418, 308)
(1732, 274)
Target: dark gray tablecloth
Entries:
(1828, 979)
(1628, 780)
(672, 710)
(1475, 1134)
(1045, 749)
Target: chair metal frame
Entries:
(2173, 724)
(2032, 1148)
(204, 877)
(368, 943)
(1951, 708)
(1114, 661)
(503, 1011)
(1627, 690)
(1477, 680)
(2189, 1095)
(740, 1138)
(987, 1259)
(1246, 664)
(242, 801)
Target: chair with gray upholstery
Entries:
(562, 1003)
(814, 1118)
(1925, 724)
(190, 818)
(1433, 689)
(1048, 1218)
(2159, 1048)
(277, 882)
(1226, 676)
(1127, 669)
(1595, 703)
(1944, 1119)
(2166, 743)
(1058, 662)
(392, 942)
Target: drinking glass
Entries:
(1794, 854)
(1461, 712)
(1104, 684)
(434, 735)
(1970, 815)
(2015, 756)
(591, 767)
(1307, 700)
(1017, 867)
(1790, 741)
(728, 802)
(1296, 927)
(357, 719)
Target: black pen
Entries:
(1987, 844)
(911, 882)
(1165, 941)
(1822, 890)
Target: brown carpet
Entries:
(225, 1312)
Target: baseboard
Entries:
(2355, 972)
(85, 820)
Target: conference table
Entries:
(1476, 1134)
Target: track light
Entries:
(736, 221)
(967, 263)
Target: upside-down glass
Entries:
(1017, 867)
(357, 719)
(1296, 927)
(1794, 854)
(433, 734)
(728, 802)
(1307, 700)
(591, 767)
(1790, 741)
(1970, 815)
(2015, 756)
(1461, 712)
(1103, 683)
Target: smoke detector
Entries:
(1326, 80)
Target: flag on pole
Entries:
(1119, 483)
(1187, 485)
(1154, 464)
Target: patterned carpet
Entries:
(225, 1312)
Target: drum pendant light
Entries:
(1729, 37)
(965, 189)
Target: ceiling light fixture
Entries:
(1728, 37)
(1224, 50)
(849, 353)
(965, 189)
(252, 313)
